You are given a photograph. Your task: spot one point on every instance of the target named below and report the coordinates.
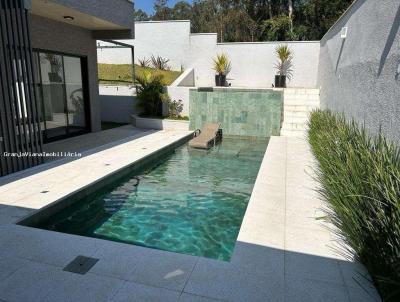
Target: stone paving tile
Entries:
(259, 260)
(263, 229)
(88, 288)
(306, 290)
(10, 214)
(171, 271)
(144, 265)
(300, 265)
(185, 297)
(7, 219)
(135, 292)
(44, 246)
(32, 283)
(121, 267)
(221, 280)
(93, 140)
(358, 281)
(360, 294)
(310, 220)
(9, 265)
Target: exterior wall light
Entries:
(70, 18)
(343, 33)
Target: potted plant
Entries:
(222, 67)
(283, 66)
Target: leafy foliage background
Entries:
(254, 20)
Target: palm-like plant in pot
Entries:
(284, 65)
(222, 67)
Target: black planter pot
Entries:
(280, 81)
(220, 80)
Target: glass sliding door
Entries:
(63, 95)
(53, 95)
(75, 95)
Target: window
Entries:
(61, 82)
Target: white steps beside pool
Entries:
(298, 104)
(293, 133)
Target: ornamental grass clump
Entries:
(360, 180)
(222, 64)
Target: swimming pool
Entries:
(190, 201)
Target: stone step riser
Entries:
(301, 91)
(296, 120)
(299, 108)
(301, 97)
(295, 114)
(291, 133)
(301, 103)
(298, 104)
(293, 126)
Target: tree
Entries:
(315, 17)
(182, 11)
(161, 10)
(278, 29)
(290, 13)
(160, 4)
(256, 20)
(141, 15)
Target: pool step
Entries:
(290, 114)
(298, 104)
(293, 119)
(294, 133)
(295, 126)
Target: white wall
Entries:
(118, 103)
(360, 75)
(252, 63)
(179, 90)
(114, 55)
(177, 93)
(169, 40)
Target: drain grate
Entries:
(81, 265)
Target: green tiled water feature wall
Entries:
(241, 112)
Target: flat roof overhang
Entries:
(106, 19)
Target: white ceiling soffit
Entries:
(54, 11)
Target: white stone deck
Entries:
(282, 252)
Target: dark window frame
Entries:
(86, 94)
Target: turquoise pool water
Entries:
(191, 202)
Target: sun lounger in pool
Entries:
(208, 137)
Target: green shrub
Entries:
(360, 179)
(175, 108)
(150, 94)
